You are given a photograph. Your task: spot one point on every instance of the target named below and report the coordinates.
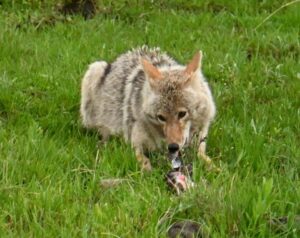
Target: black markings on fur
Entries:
(126, 105)
(160, 63)
(203, 139)
(87, 104)
(104, 76)
(139, 81)
(123, 82)
(88, 107)
(134, 98)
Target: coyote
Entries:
(150, 99)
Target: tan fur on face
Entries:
(173, 131)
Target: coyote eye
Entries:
(181, 114)
(161, 118)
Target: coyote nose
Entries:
(173, 147)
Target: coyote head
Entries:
(175, 99)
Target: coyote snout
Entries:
(148, 97)
(174, 134)
(176, 131)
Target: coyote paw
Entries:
(146, 165)
(144, 162)
(205, 158)
(209, 163)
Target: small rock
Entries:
(186, 229)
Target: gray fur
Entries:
(118, 98)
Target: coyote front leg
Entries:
(143, 160)
(138, 140)
(202, 144)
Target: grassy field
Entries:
(51, 168)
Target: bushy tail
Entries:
(88, 90)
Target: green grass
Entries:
(50, 167)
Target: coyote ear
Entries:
(151, 70)
(194, 64)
